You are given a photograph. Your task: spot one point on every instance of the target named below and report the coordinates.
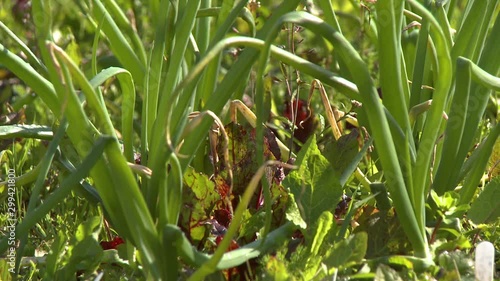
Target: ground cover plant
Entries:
(238, 140)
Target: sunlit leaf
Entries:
(323, 226)
(199, 197)
(317, 246)
(91, 227)
(293, 213)
(276, 270)
(73, 51)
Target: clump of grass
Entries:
(139, 80)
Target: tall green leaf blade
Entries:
(64, 189)
(26, 131)
(118, 43)
(481, 156)
(43, 87)
(158, 154)
(225, 89)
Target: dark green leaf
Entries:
(315, 185)
(55, 255)
(455, 262)
(386, 273)
(86, 255)
(342, 152)
(383, 201)
(350, 250)
(252, 223)
(486, 208)
(84, 251)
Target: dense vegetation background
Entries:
(236, 140)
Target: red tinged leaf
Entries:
(342, 206)
(236, 273)
(107, 245)
(117, 241)
(297, 111)
(242, 150)
(223, 217)
(200, 197)
(233, 246)
(304, 119)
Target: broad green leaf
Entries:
(198, 196)
(386, 273)
(400, 261)
(190, 255)
(455, 264)
(384, 230)
(252, 223)
(317, 248)
(315, 185)
(276, 270)
(83, 252)
(350, 250)
(323, 226)
(342, 152)
(449, 204)
(446, 201)
(255, 221)
(382, 197)
(351, 166)
(460, 243)
(55, 256)
(111, 256)
(86, 255)
(486, 208)
(90, 228)
(293, 213)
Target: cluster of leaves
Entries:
(197, 206)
